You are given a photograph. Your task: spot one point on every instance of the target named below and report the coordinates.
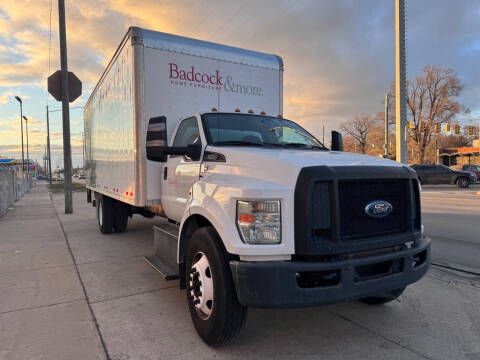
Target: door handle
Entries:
(165, 173)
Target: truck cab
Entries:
(296, 223)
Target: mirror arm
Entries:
(175, 150)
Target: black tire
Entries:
(420, 181)
(121, 217)
(463, 182)
(105, 214)
(227, 316)
(383, 298)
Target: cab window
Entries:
(187, 133)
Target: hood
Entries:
(298, 158)
(283, 165)
(466, 173)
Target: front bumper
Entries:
(302, 283)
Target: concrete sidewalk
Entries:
(69, 292)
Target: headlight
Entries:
(259, 221)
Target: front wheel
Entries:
(383, 298)
(216, 313)
(463, 182)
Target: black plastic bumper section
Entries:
(271, 284)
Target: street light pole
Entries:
(48, 150)
(67, 151)
(21, 126)
(28, 157)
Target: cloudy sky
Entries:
(339, 55)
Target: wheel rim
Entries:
(100, 212)
(200, 285)
(462, 182)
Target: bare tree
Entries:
(431, 98)
(358, 129)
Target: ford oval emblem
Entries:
(378, 209)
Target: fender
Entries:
(217, 203)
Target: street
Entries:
(66, 289)
(451, 217)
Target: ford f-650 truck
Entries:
(256, 211)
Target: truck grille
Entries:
(330, 203)
(354, 195)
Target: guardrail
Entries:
(13, 185)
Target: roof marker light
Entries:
(214, 109)
(280, 116)
(250, 111)
(263, 113)
(237, 110)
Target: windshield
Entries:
(252, 130)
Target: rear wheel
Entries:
(105, 214)
(384, 297)
(216, 313)
(463, 182)
(121, 216)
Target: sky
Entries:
(339, 56)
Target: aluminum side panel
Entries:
(109, 131)
(177, 98)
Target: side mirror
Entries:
(157, 139)
(194, 151)
(337, 141)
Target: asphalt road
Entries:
(451, 218)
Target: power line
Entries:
(202, 21)
(49, 44)
(289, 6)
(242, 5)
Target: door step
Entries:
(165, 269)
(164, 259)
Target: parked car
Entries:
(470, 168)
(42, 177)
(441, 174)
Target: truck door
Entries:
(180, 172)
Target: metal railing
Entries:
(13, 185)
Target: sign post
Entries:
(65, 87)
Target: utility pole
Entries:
(385, 155)
(48, 150)
(83, 150)
(323, 136)
(67, 151)
(400, 83)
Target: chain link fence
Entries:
(13, 185)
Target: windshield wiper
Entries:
(301, 145)
(238, 142)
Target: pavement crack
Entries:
(95, 321)
(139, 293)
(379, 335)
(41, 306)
(35, 269)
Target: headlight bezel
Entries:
(263, 225)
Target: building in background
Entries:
(460, 156)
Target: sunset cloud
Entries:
(338, 55)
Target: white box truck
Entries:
(260, 213)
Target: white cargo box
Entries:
(156, 74)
